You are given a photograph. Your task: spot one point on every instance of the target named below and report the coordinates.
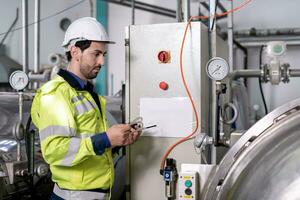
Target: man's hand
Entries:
(122, 135)
(133, 136)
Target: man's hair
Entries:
(82, 45)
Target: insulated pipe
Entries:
(25, 35)
(36, 36)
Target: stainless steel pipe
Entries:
(36, 36)
(294, 72)
(245, 73)
(25, 35)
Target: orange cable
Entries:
(163, 159)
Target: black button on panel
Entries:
(188, 191)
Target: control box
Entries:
(188, 185)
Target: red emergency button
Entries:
(163, 56)
(163, 85)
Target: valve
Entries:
(170, 177)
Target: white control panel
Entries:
(188, 185)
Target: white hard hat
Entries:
(86, 28)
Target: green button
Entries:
(188, 183)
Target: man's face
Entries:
(91, 60)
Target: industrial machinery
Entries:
(155, 92)
(263, 163)
(24, 174)
(222, 163)
(191, 94)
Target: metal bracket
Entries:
(16, 169)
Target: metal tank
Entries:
(16, 180)
(264, 163)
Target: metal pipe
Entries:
(125, 103)
(11, 95)
(45, 76)
(257, 42)
(36, 36)
(21, 119)
(222, 8)
(186, 10)
(260, 37)
(214, 84)
(267, 32)
(249, 73)
(151, 6)
(294, 72)
(25, 35)
(183, 10)
(205, 5)
(230, 37)
(112, 84)
(91, 8)
(245, 51)
(179, 14)
(20, 106)
(19, 157)
(147, 7)
(132, 11)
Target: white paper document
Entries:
(173, 116)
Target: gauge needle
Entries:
(216, 69)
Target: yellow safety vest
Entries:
(66, 119)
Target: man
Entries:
(75, 139)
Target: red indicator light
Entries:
(163, 85)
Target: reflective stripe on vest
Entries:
(64, 131)
(73, 194)
(57, 130)
(78, 98)
(74, 146)
(85, 106)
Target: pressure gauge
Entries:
(217, 68)
(18, 80)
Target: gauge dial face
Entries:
(217, 68)
(18, 80)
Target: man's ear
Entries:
(75, 53)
